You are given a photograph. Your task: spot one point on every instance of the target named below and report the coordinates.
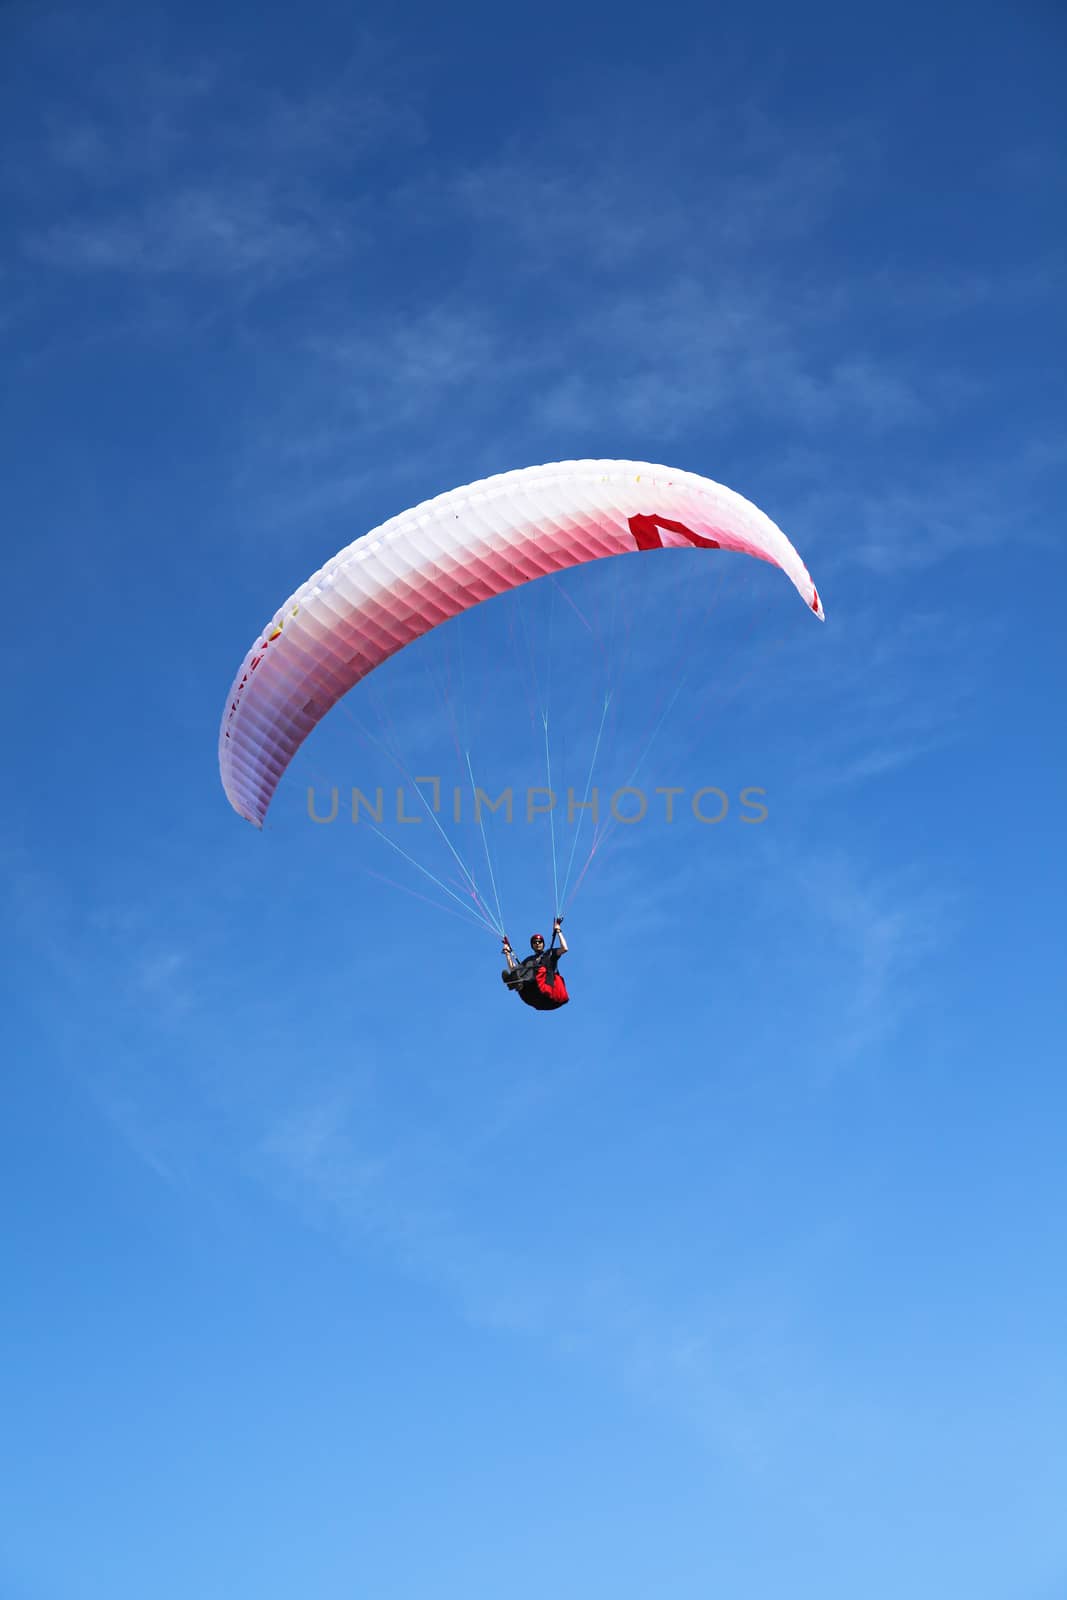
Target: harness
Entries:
(528, 967)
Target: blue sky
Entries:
(328, 1268)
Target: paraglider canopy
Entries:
(443, 557)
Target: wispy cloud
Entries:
(119, 989)
(606, 192)
(387, 374)
(128, 122)
(192, 171)
(721, 1354)
(154, 115)
(161, 981)
(230, 231)
(878, 933)
(719, 352)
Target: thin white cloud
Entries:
(611, 193)
(190, 171)
(147, 117)
(223, 231)
(913, 520)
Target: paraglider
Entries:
(536, 979)
(433, 563)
